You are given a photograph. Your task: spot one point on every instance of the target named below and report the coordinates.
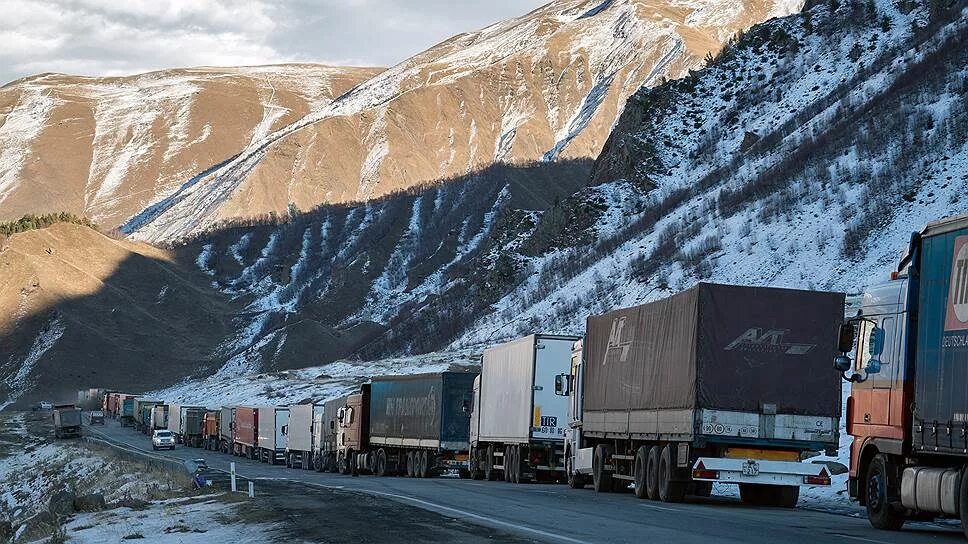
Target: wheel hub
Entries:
(875, 492)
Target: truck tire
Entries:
(424, 464)
(640, 470)
(601, 478)
(515, 464)
(669, 489)
(409, 464)
(881, 487)
(506, 462)
(380, 463)
(652, 473)
(963, 501)
(490, 473)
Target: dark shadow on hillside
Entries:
(151, 324)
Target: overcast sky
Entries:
(113, 37)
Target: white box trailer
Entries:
(299, 435)
(517, 422)
(271, 438)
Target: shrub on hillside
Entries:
(34, 222)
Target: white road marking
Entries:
(664, 509)
(862, 539)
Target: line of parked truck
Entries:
(719, 383)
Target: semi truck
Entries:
(272, 441)
(352, 429)
(517, 422)
(67, 421)
(126, 411)
(299, 435)
(159, 418)
(417, 425)
(226, 429)
(907, 353)
(211, 436)
(185, 423)
(141, 413)
(325, 432)
(245, 432)
(719, 383)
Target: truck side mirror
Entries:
(563, 385)
(845, 342)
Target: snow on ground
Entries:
(18, 383)
(316, 384)
(176, 520)
(17, 132)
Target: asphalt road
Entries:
(555, 513)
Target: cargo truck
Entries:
(518, 423)
(325, 436)
(226, 429)
(272, 441)
(417, 425)
(352, 430)
(185, 423)
(299, 435)
(67, 421)
(159, 418)
(245, 432)
(141, 413)
(907, 354)
(718, 383)
(211, 437)
(126, 411)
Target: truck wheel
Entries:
(963, 500)
(477, 473)
(669, 490)
(880, 490)
(601, 479)
(652, 473)
(424, 464)
(380, 468)
(511, 463)
(640, 470)
(490, 474)
(409, 464)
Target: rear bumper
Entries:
(763, 472)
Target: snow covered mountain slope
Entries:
(545, 85)
(108, 147)
(803, 157)
(79, 309)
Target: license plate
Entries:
(751, 468)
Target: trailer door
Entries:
(550, 411)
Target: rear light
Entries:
(821, 479)
(700, 473)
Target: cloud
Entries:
(110, 37)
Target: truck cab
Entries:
(906, 353)
(879, 408)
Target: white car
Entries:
(162, 440)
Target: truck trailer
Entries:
(159, 418)
(126, 411)
(719, 383)
(141, 413)
(325, 432)
(226, 429)
(245, 432)
(211, 437)
(185, 422)
(272, 440)
(907, 354)
(417, 425)
(67, 421)
(299, 435)
(518, 423)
